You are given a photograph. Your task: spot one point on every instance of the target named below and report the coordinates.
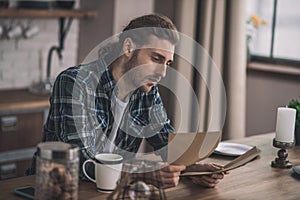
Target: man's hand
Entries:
(170, 175)
(207, 180)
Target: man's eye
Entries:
(156, 59)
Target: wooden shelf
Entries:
(51, 13)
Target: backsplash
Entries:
(24, 61)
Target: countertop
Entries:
(21, 99)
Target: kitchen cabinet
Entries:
(22, 116)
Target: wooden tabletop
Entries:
(255, 180)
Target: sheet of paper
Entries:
(189, 148)
(237, 162)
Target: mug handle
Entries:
(85, 173)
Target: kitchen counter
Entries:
(21, 99)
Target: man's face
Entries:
(148, 65)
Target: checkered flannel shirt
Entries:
(80, 113)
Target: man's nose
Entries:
(161, 70)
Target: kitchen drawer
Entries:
(15, 163)
(20, 130)
(14, 169)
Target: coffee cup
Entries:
(108, 167)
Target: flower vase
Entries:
(248, 54)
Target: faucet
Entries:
(45, 87)
(58, 51)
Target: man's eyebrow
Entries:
(158, 55)
(161, 56)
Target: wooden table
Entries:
(255, 180)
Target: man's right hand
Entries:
(170, 175)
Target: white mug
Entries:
(108, 167)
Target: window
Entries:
(279, 40)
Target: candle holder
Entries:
(282, 161)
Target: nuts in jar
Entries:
(57, 171)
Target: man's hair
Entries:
(141, 28)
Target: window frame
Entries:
(271, 59)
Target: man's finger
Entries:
(168, 174)
(174, 168)
(170, 182)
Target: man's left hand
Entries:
(207, 180)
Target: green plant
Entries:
(295, 103)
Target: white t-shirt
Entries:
(118, 109)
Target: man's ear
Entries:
(128, 47)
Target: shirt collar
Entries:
(107, 80)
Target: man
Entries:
(109, 105)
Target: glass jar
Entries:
(56, 171)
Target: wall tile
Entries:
(24, 61)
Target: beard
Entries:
(131, 74)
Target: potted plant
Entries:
(295, 103)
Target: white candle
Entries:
(285, 124)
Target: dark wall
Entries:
(165, 7)
(266, 91)
(94, 31)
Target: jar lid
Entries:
(57, 150)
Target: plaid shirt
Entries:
(80, 113)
